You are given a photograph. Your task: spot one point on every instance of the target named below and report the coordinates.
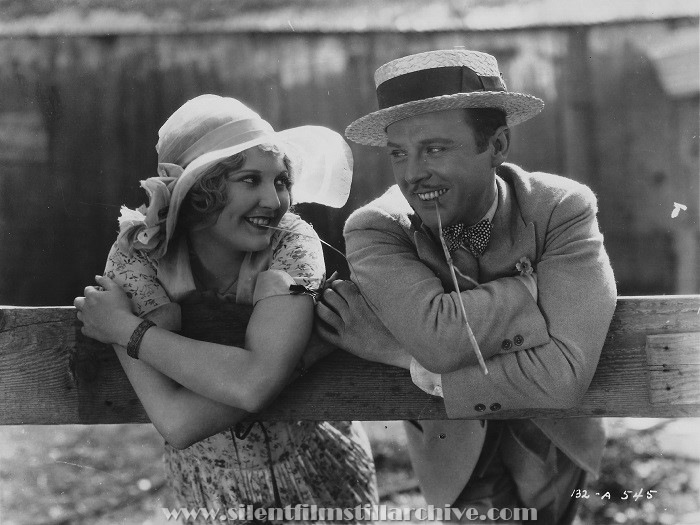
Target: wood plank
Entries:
(51, 374)
(673, 349)
(674, 373)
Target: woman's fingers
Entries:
(79, 302)
(105, 282)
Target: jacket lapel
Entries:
(511, 238)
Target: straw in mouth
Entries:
(470, 334)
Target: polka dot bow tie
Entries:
(475, 238)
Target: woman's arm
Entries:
(181, 416)
(249, 378)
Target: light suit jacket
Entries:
(540, 354)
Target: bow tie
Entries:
(475, 238)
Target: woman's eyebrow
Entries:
(246, 171)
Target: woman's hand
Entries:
(105, 312)
(350, 324)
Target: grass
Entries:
(97, 475)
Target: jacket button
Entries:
(495, 406)
(506, 344)
(480, 407)
(518, 340)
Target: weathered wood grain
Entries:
(674, 374)
(51, 374)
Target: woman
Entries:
(217, 227)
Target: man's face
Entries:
(435, 160)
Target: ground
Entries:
(105, 474)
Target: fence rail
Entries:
(51, 374)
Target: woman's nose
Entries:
(269, 198)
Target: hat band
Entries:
(226, 136)
(434, 82)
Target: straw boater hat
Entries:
(437, 81)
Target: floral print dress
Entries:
(270, 464)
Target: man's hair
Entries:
(204, 202)
(484, 122)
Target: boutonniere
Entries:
(524, 266)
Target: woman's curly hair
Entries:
(204, 202)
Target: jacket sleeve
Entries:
(576, 295)
(411, 300)
(576, 300)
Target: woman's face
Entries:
(257, 197)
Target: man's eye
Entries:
(397, 154)
(434, 149)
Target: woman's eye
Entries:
(248, 180)
(283, 182)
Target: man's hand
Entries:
(349, 323)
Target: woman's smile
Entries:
(259, 223)
(257, 198)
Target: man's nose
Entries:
(415, 170)
(269, 198)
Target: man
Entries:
(535, 281)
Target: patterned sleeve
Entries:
(299, 253)
(137, 275)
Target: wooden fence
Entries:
(51, 374)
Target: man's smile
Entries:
(430, 195)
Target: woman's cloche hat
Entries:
(437, 81)
(209, 128)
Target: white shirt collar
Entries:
(492, 210)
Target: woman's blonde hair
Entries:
(204, 202)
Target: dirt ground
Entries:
(108, 474)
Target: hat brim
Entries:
(370, 130)
(196, 169)
(322, 163)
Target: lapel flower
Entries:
(524, 266)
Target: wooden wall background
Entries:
(79, 117)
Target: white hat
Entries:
(321, 159)
(437, 81)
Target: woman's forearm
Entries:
(277, 335)
(223, 373)
(181, 416)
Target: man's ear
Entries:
(500, 142)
